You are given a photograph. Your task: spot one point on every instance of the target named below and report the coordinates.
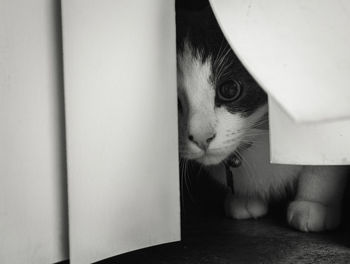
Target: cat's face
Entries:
(220, 105)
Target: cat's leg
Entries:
(243, 207)
(317, 205)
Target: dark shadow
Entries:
(56, 16)
(191, 4)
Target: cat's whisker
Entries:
(221, 63)
(232, 134)
(189, 177)
(248, 168)
(255, 133)
(223, 71)
(230, 143)
(189, 153)
(182, 181)
(222, 147)
(186, 175)
(253, 123)
(190, 156)
(218, 55)
(220, 51)
(199, 171)
(253, 130)
(224, 142)
(253, 143)
(187, 181)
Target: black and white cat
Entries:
(222, 111)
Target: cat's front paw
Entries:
(310, 216)
(243, 208)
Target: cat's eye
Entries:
(229, 91)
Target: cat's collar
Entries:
(233, 161)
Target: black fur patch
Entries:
(201, 30)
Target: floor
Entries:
(209, 237)
(224, 241)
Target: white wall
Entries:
(33, 226)
(121, 108)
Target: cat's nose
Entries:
(203, 140)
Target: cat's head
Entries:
(219, 103)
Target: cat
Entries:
(223, 111)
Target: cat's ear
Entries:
(181, 27)
(192, 5)
(207, 11)
(192, 20)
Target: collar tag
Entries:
(232, 162)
